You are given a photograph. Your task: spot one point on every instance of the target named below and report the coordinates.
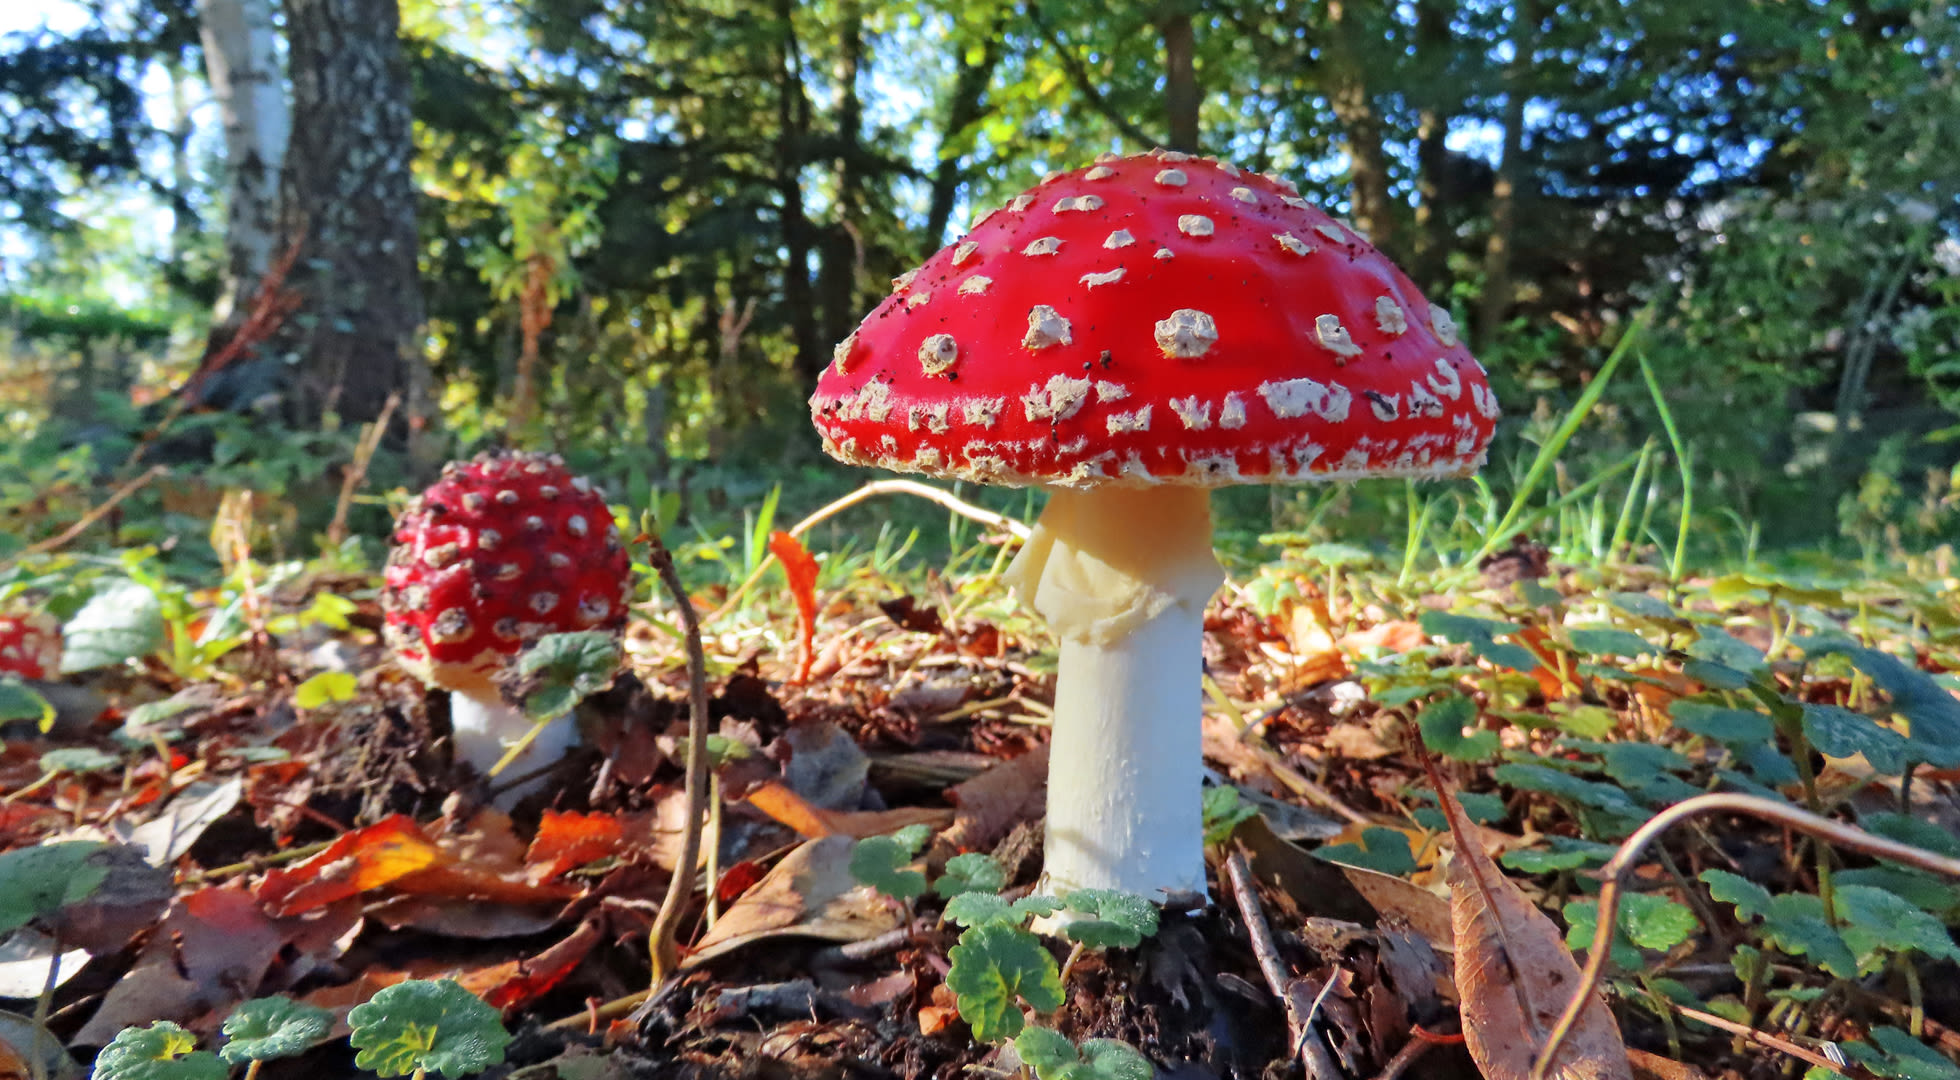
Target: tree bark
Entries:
(962, 111)
(1499, 289)
(348, 198)
(241, 62)
(843, 248)
(1181, 94)
(1431, 241)
(792, 130)
(1347, 90)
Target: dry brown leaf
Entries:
(997, 800)
(1356, 741)
(809, 894)
(1424, 912)
(1648, 1066)
(1514, 974)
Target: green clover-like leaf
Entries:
(1646, 920)
(324, 689)
(978, 908)
(1449, 727)
(969, 873)
(1894, 1054)
(18, 701)
(1873, 920)
(273, 1027)
(1224, 811)
(879, 861)
(568, 668)
(1046, 1051)
(1932, 712)
(162, 1051)
(995, 967)
(1053, 1057)
(78, 759)
(1480, 636)
(1564, 853)
(430, 1024)
(38, 882)
(1609, 641)
(1112, 919)
(1381, 849)
(1113, 1059)
(1839, 732)
(1793, 922)
(1721, 724)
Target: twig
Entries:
(1313, 1052)
(877, 487)
(1632, 848)
(1760, 1038)
(664, 950)
(89, 518)
(259, 862)
(357, 469)
(38, 1061)
(591, 1016)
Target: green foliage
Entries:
(273, 1027)
(995, 968)
(879, 861)
(18, 701)
(431, 1025)
(1381, 849)
(1481, 636)
(1107, 919)
(972, 872)
(980, 908)
(566, 669)
(162, 1051)
(1224, 811)
(1053, 1057)
(1896, 1055)
(325, 688)
(1446, 727)
(77, 759)
(1646, 921)
(122, 621)
(37, 882)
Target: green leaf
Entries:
(1564, 853)
(1639, 764)
(162, 1051)
(1480, 636)
(995, 967)
(77, 759)
(429, 1024)
(38, 882)
(879, 861)
(1446, 728)
(1224, 812)
(1718, 647)
(1907, 829)
(18, 701)
(1053, 1057)
(1722, 724)
(980, 908)
(1550, 781)
(972, 872)
(1751, 900)
(273, 1027)
(1047, 1051)
(324, 689)
(1115, 920)
(1874, 920)
(122, 621)
(1641, 604)
(1894, 1053)
(568, 668)
(1382, 849)
(1932, 713)
(1113, 1059)
(1840, 732)
(1646, 920)
(1610, 641)
(1793, 922)
(1582, 926)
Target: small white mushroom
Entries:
(1293, 243)
(975, 285)
(964, 252)
(1107, 277)
(1186, 334)
(1046, 245)
(1334, 337)
(1194, 225)
(1078, 202)
(1173, 178)
(1445, 327)
(937, 353)
(1046, 327)
(1121, 238)
(1245, 195)
(1389, 316)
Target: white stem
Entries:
(1124, 575)
(484, 727)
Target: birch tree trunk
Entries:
(241, 62)
(348, 195)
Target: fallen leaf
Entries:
(566, 841)
(1424, 912)
(166, 837)
(1396, 636)
(1356, 741)
(21, 1034)
(1514, 974)
(520, 982)
(24, 957)
(775, 798)
(801, 569)
(809, 894)
(825, 764)
(991, 804)
(363, 859)
(1648, 1066)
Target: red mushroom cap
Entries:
(1157, 319)
(498, 553)
(30, 646)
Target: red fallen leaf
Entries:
(737, 880)
(520, 982)
(566, 841)
(388, 850)
(801, 569)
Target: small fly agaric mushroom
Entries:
(1129, 336)
(30, 646)
(498, 553)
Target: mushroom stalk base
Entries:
(484, 726)
(1124, 576)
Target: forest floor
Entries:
(319, 845)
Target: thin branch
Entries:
(662, 946)
(88, 519)
(1072, 66)
(1314, 1055)
(357, 470)
(1634, 846)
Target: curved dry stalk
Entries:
(875, 488)
(661, 945)
(1634, 846)
(94, 515)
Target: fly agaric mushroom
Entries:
(1130, 336)
(498, 553)
(30, 646)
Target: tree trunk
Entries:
(843, 249)
(348, 197)
(792, 128)
(1181, 95)
(965, 108)
(1498, 286)
(1347, 90)
(1431, 241)
(241, 62)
